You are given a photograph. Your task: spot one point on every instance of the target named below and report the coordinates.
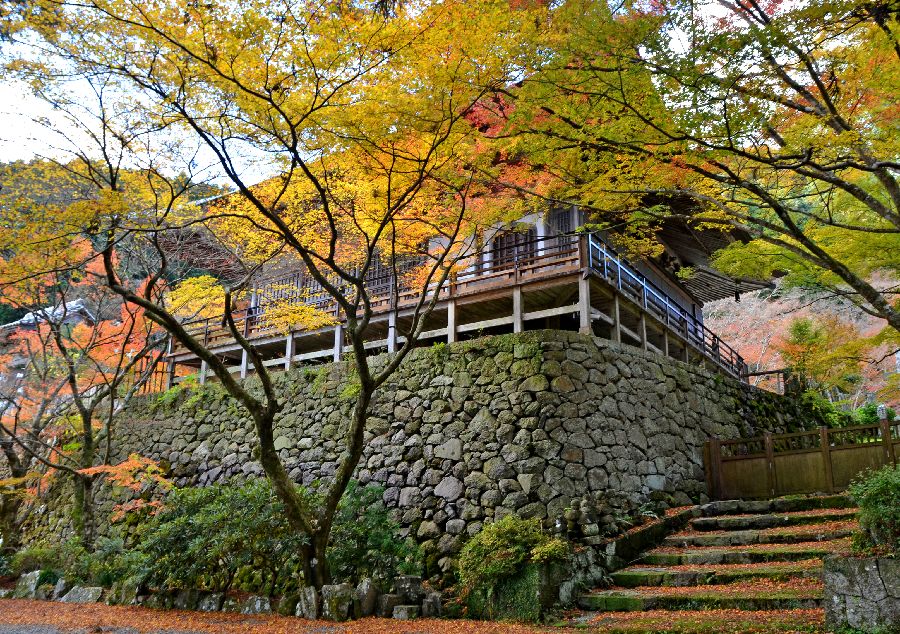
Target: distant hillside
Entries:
(758, 325)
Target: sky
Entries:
(20, 137)
(23, 137)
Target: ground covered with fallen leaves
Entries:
(99, 618)
(39, 617)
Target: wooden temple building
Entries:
(541, 274)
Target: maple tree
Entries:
(79, 355)
(777, 119)
(365, 116)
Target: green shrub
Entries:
(110, 562)
(505, 548)
(877, 494)
(365, 540)
(5, 568)
(205, 537)
(868, 414)
(36, 558)
(821, 409)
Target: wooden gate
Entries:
(821, 461)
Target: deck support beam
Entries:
(392, 332)
(584, 305)
(204, 368)
(518, 321)
(288, 350)
(643, 330)
(245, 362)
(338, 343)
(617, 319)
(451, 321)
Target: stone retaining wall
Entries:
(468, 432)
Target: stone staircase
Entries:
(760, 558)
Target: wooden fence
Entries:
(821, 461)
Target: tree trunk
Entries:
(10, 504)
(84, 511)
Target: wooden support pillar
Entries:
(584, 305)
(170, 375)
(245, 362)
(643, 330)
(392, 332)
(518, 322)
(451, 321)
(204, 369)
(288, 351)
(617, 318)
(338, 342)
(666, 342)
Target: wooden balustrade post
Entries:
(770, 463)
(825, 445)
(888, 442)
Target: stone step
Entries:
(778, 505)
(754, 597)
(762, 553)
(718, 574)
(766, 536)
(758, 522)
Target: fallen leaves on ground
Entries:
(95, 616)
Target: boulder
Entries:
(367, 597)
(255, 604)
(186, 599)
(210, 602)
(83, 594)
(410, 588)
(406, 612)
(387, 603)
(287, 605)
(337, 602)
(27, 585)
(431, 605)
(307, 603)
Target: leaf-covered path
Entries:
(63, 617)
(41, 617)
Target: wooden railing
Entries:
(824, 460)
(477, 273)
(540, 258)
(622, 275)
